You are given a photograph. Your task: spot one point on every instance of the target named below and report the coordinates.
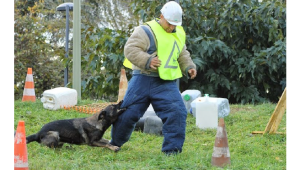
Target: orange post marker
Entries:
(122, 85)
(20, 148)
(29, 93)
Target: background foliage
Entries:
(32, 48)
(239, 47)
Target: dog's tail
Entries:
(32, 138)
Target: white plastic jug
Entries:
(209, 109)
(56, 98)
(193, 107)
(206, 112)
(188, 96)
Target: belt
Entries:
(152, 74)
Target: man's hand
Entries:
(192, 73)
(155, 63)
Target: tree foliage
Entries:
(31, 50)
(102, 47)
(46, 30)
(239, 47)
(102, 62)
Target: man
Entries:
(156, 52)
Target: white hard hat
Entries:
(172, 12)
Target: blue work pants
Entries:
(167, 103)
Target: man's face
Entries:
(166, 25)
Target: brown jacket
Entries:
(136, 48)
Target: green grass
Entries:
(143, 151)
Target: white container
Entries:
(193, 107)
(145, 127)
(56, 98)
(188, 96)
(206, 113)
(149, 112)
(209, 109)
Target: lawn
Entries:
(143, 151)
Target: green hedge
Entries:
(239, 48)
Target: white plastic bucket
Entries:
(56, 98)
(188, 96)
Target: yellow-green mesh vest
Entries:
(127, 63)
(169, 46)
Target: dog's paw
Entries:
(116, 148)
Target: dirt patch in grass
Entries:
(234, 110)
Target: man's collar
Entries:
(157, 20)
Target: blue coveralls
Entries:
(167, 103)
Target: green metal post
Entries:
(77, 48)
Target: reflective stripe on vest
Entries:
(169, 46)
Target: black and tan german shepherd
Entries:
(79, 131)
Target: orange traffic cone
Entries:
(28, 93)
(221, 155)
(21, 161)
(123, 85)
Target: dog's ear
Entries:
(119, 104)
(102, 114)
(121, 111)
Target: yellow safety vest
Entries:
(127, 63)
(167, 52)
